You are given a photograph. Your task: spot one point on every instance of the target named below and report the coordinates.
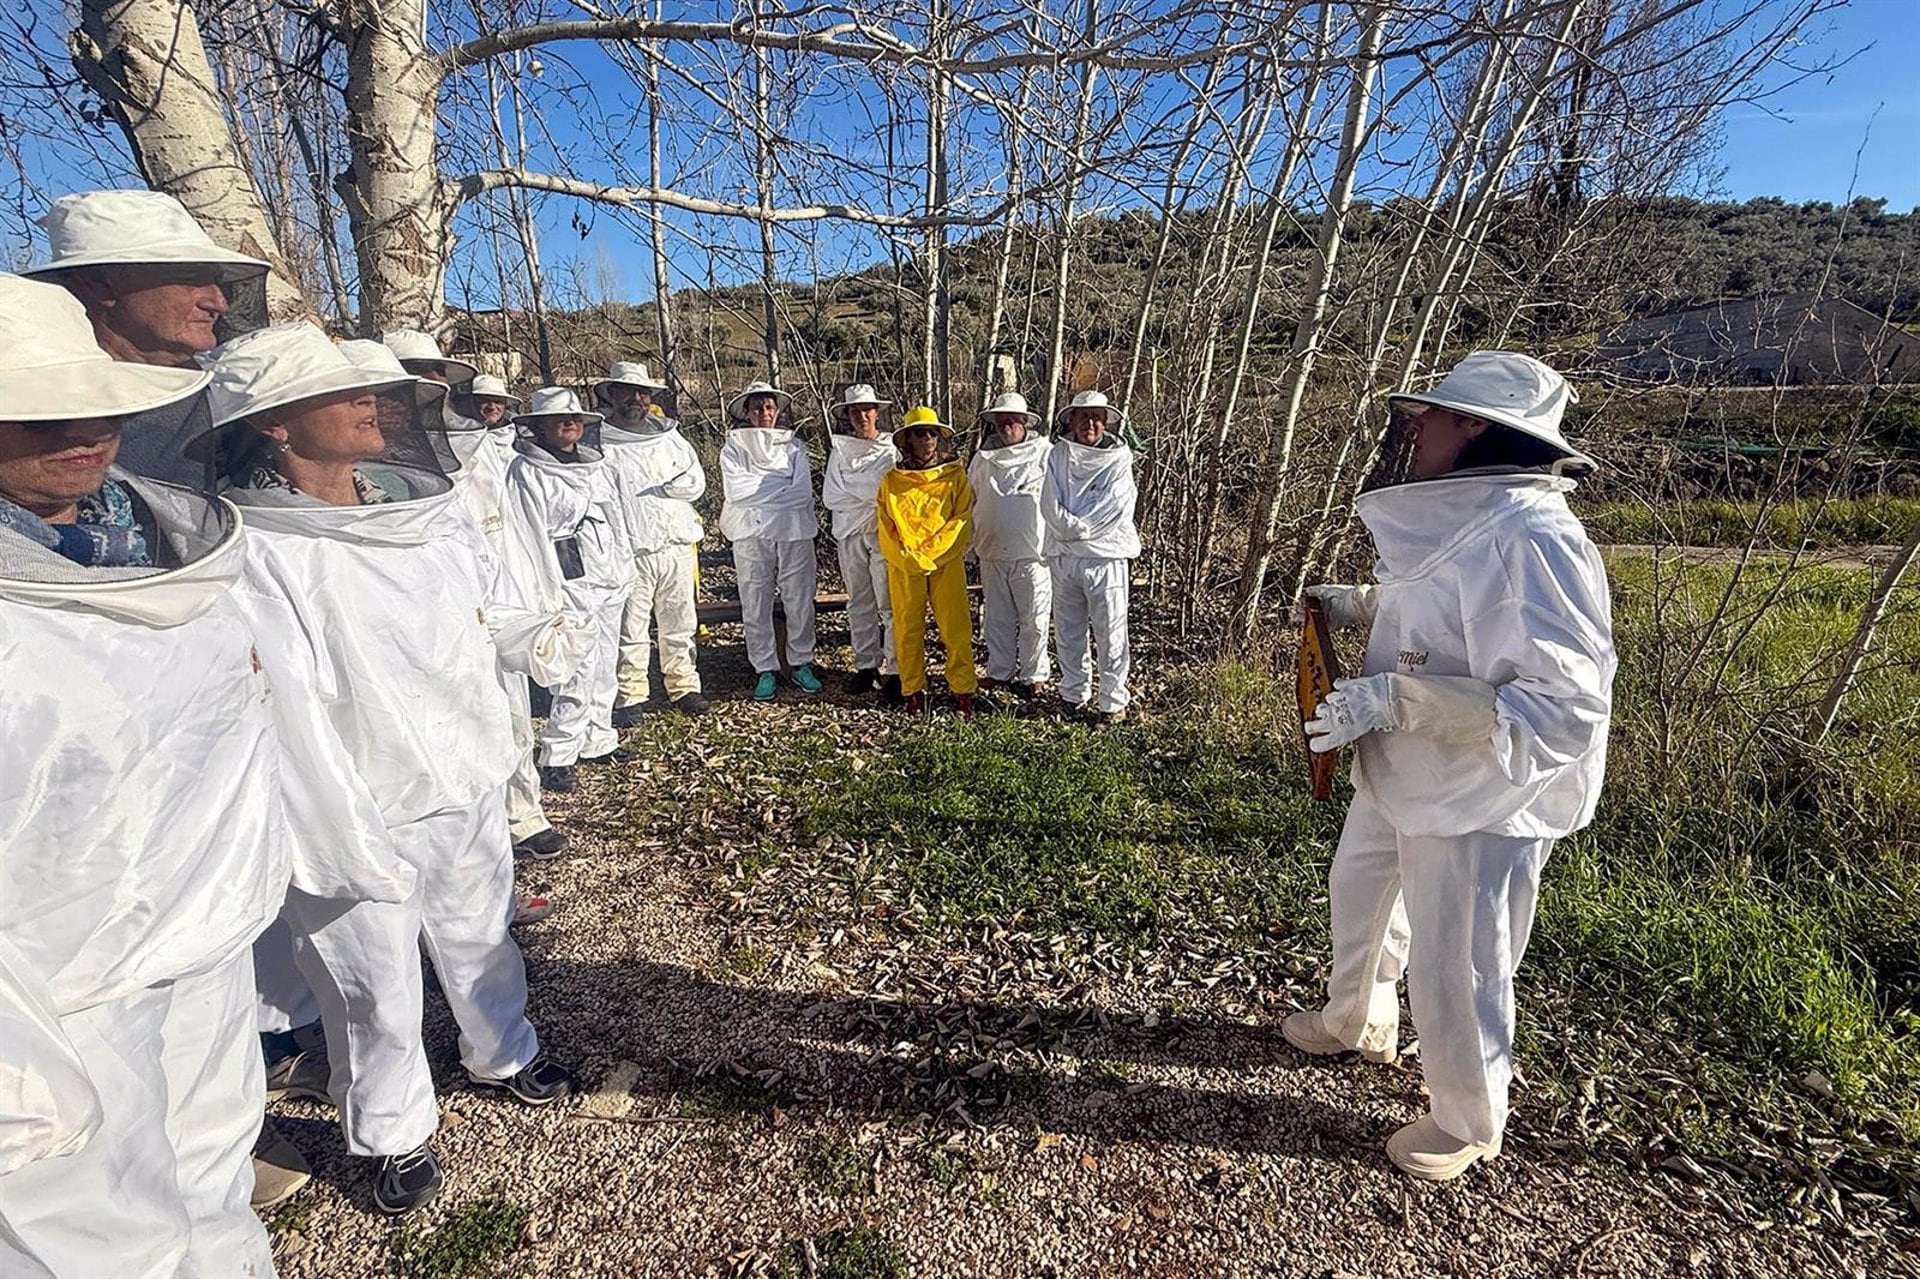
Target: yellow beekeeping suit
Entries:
(926, 520)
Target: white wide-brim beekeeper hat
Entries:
(556, 401)
(855, 396)
(412, 344)
(282, 365)
(1508, 389)
(624, 373)
(488, 387)
(135, 228)
(737, 406)
(1087, 400)
(52, 370)
(376, 357)
(1010, 402)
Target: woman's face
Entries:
(922, 446)
(1011, 427)
(341, 429)
(863, 420)
(1089, 426)
(763, 411)
(563, 433)
(46, 467)
(1439, 436)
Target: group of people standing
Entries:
(251, 767)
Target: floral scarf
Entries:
(104, 532)
(265, 477)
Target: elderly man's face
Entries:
(338, 429)
(629, 399)
(1439, 436)
(563, 432)
(1011, 427)
(1088, 426)
(490, 410)
(863, 421)
(47, 467)
(166, 311)
(763, 411)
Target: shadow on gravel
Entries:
(716, 1049)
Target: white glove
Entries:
(1353, 709)
(1346, 606)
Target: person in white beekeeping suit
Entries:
(1481, 732)
(1009, 539)
(1087, 506)
(658, 477)
(380, 620)
(560, 486)
(767, 513)
(158, 291)
(858, 458)
(142, 828)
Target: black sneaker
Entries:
(402, 1183)
(542, 845)
(890, 691)
(542, 1080)
(303, 1073)
(689, 704)
(618, 755)
(863, 682)
(629, 716)
(560, 778)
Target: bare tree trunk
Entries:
(934, 345)
(656, 224)
(1063, 259)
(396, 203)
(1870, 618)
(1309, 333)
(997, 308)
(522, 215)
(146, 61)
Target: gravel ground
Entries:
(762, 1075)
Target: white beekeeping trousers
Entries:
(662, 595)
(765, 568)
(284, 998)
(869, 607)
(525, 817)
(1015, 610)
(580, 721)
(1453, 914)
(161, 1190)
(1090, 604)
(363, 961)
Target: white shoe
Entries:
(1309, 1033)
(1427, 1152)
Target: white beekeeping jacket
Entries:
(1491, 577)
(573, 500)
(1006, 500)
(766, 486)
(388, 605)
(1088, 499)
(851, 487)
(658, 477)
(142, 827)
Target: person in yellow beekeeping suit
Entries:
(925, 523)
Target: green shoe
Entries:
(806, 679)
(765, 687)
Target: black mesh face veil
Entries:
(1393, 464)
(535, 431)
(154, 511)
(413, 459)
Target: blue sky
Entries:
(1801, 143)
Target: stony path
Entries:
(774, 1089)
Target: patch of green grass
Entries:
(1719, 522)
(949, 1165)
(855, 1252)
(747, 961)
(293, 1216)
(726, 1097)
(1105, 831)
(470, 1240)
(840, 1169)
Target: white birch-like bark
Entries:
(146, 61)
(657, 225)
(1063, 254)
